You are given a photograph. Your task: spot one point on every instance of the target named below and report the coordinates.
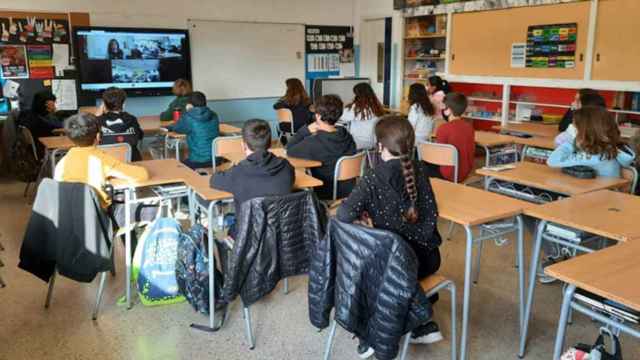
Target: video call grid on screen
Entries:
(131, 60)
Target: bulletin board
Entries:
(481, 41)
(329, 51)
(31, 44)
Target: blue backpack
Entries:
(192, 270)
(154, 263)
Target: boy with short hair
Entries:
(85, 163)
(201, 125)
(261, 173)
(118, 126)
(459, 133)
(323, 141)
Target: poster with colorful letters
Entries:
(552, 46)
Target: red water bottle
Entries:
(176, 115)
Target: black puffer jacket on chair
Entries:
(370, 277)
(274, 240)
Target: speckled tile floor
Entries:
(281, 325)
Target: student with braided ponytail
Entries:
(397, 196)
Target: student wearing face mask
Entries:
(459, 133)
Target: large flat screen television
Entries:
(140, 61)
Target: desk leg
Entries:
(127, 244)
(521, 275)
(535, 259)
(177, 144)
(486, 155)
(192, 211)
(166, 146)
(524, 152)
(562, 323)
(467, 293)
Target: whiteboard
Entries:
(236, 60)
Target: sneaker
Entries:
(428, 333)
(544, 278)
(364, 350)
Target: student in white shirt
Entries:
(421, 112)
(361, 116)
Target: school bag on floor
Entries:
(154, 263)
(597, 351)
(192, 270)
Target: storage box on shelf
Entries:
(424, 48)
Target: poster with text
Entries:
(552, 46)
(40, 61)
(13, 62)
(327, 47)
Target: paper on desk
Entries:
(65, 92)
(60, 58)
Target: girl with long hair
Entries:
(361, 116)
(438, 88)
(421, 112)
(397, 196)
(297, 100)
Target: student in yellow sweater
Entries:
(85, 163)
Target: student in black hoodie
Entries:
(118, 126)
(261, 173)
(324, 142)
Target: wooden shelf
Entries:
(415, 79)
(481, 118)
(540, 104)
(429, 36)
(485, 100)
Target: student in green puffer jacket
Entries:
(201, 125)
(182, 90)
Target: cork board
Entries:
(481, 41)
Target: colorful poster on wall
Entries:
(13, 62)
(40, 61)
(33, 30)
(327, 47)
(552, 46)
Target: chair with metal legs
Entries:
(431, 286)
(441, 155)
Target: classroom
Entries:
(337, 179)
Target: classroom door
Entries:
(375, 51)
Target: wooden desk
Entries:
(164, 171)
(56, 142)
(489, 139)
(535, 129)
(225, 130)
(536, 141)
(471, 207)
(297, 163)
(552, 179)
(604, 213)
(610, 214)
(612, 273)
(466, 205)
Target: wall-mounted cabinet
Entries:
(616, 50)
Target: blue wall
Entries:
(230, 111)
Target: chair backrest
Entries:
(120, 151)
(439, 154)
(285, 115)
(88, 109)
(225, 145)
(347, 168)
(28, 138)
(630, 173)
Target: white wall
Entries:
(172, 13)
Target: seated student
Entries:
(459, 133)
(586, 97)
(117, 125)
(323, 141)
(397, 196)
(578, 101)
(43, 118)
(182, 90)
(421, 112)
(296, 100)
(201, 125)
(438, 89)
(261, 173)
(87, 164)
(361, 116)
(597, 145)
